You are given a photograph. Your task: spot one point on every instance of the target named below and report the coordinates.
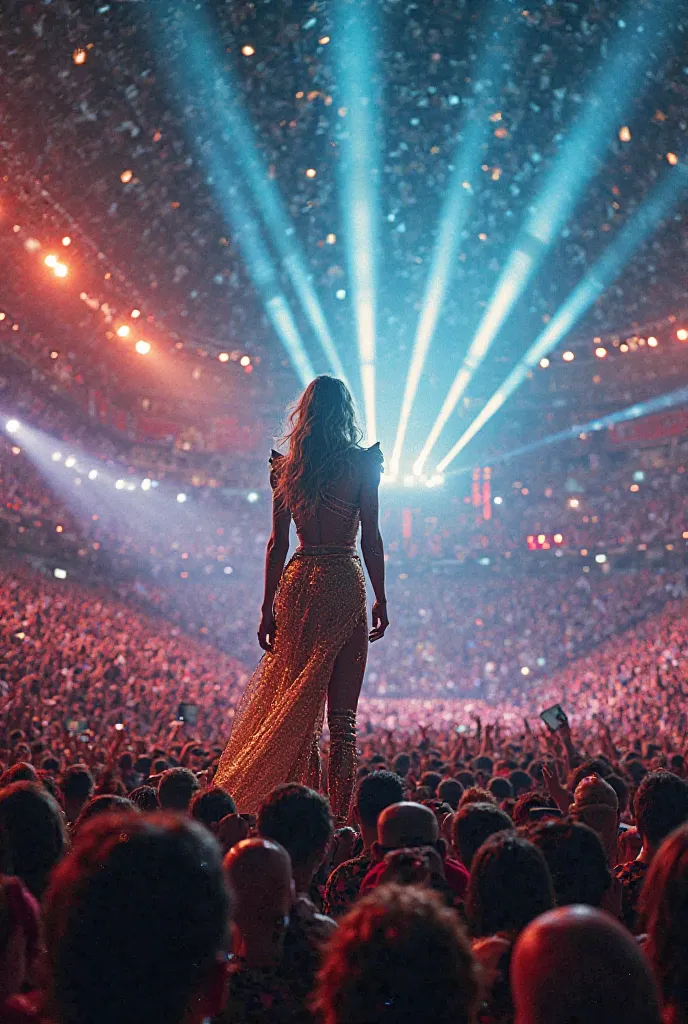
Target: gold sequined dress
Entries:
(278, 723)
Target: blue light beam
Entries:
(196, 68)
(240, 137)
(572, 170)
(453, 219)
(670, 400)
(630, 238)
(358, 191)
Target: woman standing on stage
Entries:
(314, 624)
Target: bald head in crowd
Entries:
(407, 824)
(260, 878)
(577, 965)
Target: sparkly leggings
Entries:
(343, 763)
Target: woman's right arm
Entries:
(372, 548)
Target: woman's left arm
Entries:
(275, 557)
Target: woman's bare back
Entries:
(336, 519)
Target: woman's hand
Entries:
(380, 621)
(266, 630)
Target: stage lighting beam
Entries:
(354, 48)
(564, 186)
(630, 238)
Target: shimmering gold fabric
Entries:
(277, 726)
(343, 763)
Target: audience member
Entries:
(373, 795)
(664, 915)
(32, 834)
(398, 956)
(578, 964)
(472, 825)
(149, 894)
(660, 805)
(260, 880)
(176, 789)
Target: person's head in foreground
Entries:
(577, 965)
(576, 861)
(664, 912)
(660, 806)
(210, 806)
(32, 834)
(510, 885)
(136, 924)
(473, 824)
(374, 793)
(398, 957)
(260, 881)
(299, 820)
(19, 937)
(406, 824)
(177, 788)
(596, 804)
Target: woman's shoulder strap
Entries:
(275, 459)
(374, 460)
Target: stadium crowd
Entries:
(110, 828)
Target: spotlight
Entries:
(600, 352)
(142, 347)
(525, 671)
(568, 356)
(12, 426)
(682, 334)
(79, 56)
(146, 484)
(652, 342)
(135, 314)
(223, 357)
(70, 461)
(247, 50)
(574, 502)
(600, 559)
(623, 347)
(93, 473)
(60, 574)
(498, 500)
(125, 177)
(558, 538)
(56, 456)
(50, 261)
(311, 172)
(544, 362)
(625, 134)
(245, 361)
(54, 354)
(124, 331)
(66, 241)
(181, 497)
(16, 450)
(340, 293)
(228, 570)
(120, 485)
(60, 270)
(252, 497)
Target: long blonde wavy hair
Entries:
(321, 428)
